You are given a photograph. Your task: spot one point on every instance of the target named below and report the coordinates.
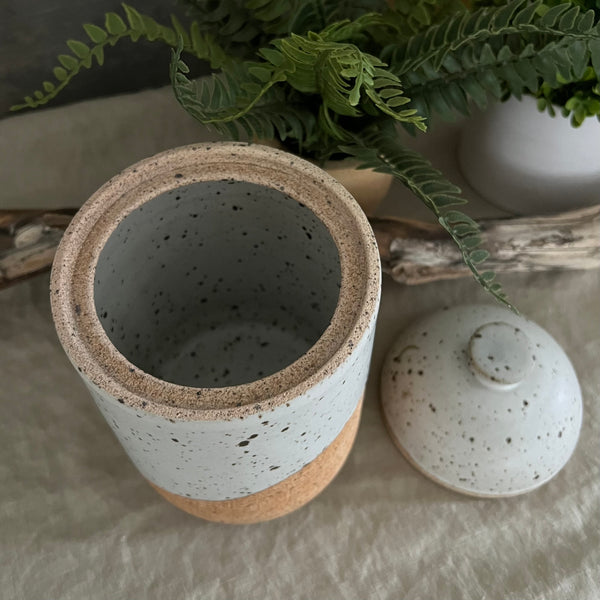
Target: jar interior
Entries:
(217, 283)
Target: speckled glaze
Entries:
(219, 302)
(481, 401)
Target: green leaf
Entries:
(454, 217)
(48, 87)
(79, 48)
(135, 19)
(505, 14)
(443, 200)
(275, 57)
(151, 28)
(264, 74)
(68, 62)
(594, 46)
(551, 17)
(60, 73)
(457, 98)
(567, 21)
(463, 229)
(471, 241)
(579, 58)
(528, 74)
(394, 102)
(95, 33)
(479, 256)
(476, 91)
(586, 22)
(182, 67)
(98, 52)
(525, 16)
(114, 24)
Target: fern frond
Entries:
(343, 75)
(230, 21)
(340, 10)
(406, 18)
(494, 51)
(242, 26)
(352, 31)
(237, 103)
(346, 81)
(384, 153)
(134, 26)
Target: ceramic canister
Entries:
(219, 302)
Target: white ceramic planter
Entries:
(481, 401)
(219, 302)
(527, 162)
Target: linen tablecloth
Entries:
(77, 520)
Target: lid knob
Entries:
(500, 355)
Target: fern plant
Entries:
(335, 78)
(577, 99)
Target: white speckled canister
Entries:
(481, 400)
(219, 301)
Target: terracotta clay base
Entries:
(282, 498)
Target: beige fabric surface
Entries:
(78, 522)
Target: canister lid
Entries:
(481, 400)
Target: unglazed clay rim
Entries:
(72, 281)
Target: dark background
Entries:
(33, 33)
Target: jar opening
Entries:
(217, 283)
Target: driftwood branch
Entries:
(28, 242)
(412, 252)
